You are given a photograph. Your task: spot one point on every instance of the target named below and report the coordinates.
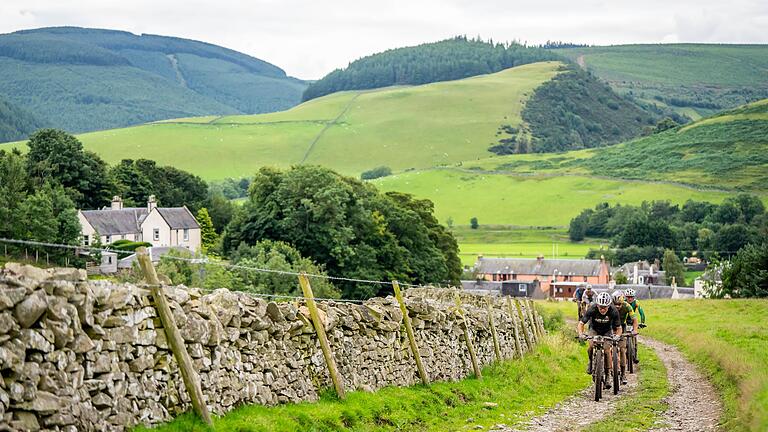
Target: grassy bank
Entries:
(521, 388)
(727, 339)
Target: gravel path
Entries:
(693, 404)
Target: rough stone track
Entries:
(693, 403)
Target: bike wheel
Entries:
(631, 355)
(597, 374)
(616, 369)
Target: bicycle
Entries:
(631, 337)
(600, 365)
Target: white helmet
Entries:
(589, 287)
(629, 292)
(603, 299)
(618, 296)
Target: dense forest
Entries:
(445, 60)
(572, 111)
(82, 79)
(15, 123)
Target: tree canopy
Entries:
(348, 227)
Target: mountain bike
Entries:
(600, 363)
(631, 337)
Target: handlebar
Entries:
(600, 338)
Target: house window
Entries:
(522, 288)
(109, 260)
(186, 234)
(109, 239)
(585, 278)
(86, 240)
(156, 234)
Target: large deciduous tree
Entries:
(347, 226)
(56, 156)
(747, 273)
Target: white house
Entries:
(159, 226)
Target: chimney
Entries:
(635, 277)
(151, 203)
(117, 203)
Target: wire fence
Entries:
(207, 261)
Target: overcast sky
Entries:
(309, 38)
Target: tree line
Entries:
(653, 230)
(445, 60)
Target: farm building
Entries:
(546, 272)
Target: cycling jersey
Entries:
(636, 308)
(589, 298)
(602, 324)
(626, 313)
(577, 295)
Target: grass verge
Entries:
(521, 388)
(640, 410)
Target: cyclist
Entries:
(626, 317)
(629, 293)
(589, 296)
(577, 298)
(603, 320)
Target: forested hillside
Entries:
(15, 123)
(86, 79)
(696, 80)
(572, 111)
(445, 60)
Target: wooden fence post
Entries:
(470, 345)
(320, 330)
(518, 344)
(527, 337)
(409, 330)
(175, 341)
(539, 320)
(496, 348)
(532, 320)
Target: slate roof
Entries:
(155, 253)
(544, 267)
(178, 217)
(111, 222)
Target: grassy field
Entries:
(527, 200)
(690, 75)
(520, 388)
(511, 241)
(727, 339)
(401, 127)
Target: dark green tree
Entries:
(673, 268)
(208, 236)
(747, 273)
(473, 223)
(56, 156)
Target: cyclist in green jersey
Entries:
(629, 293)
(626, 317)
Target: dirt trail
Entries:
(693, 404)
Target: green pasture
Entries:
(400, 127)
(527, 200)
(518, 242)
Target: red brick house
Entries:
(546, 272)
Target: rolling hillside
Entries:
(695, 79)
(402, 127)
(87, 79)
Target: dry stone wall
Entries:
(78, 355)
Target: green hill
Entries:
(15, 123)
(695, 79)
(400, 127)
(86, 79)
(445, 60)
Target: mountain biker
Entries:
(589, 296)
(629, 293)
(626, 317)
(577, 298)
(603, 319)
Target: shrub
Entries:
(375, 173)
